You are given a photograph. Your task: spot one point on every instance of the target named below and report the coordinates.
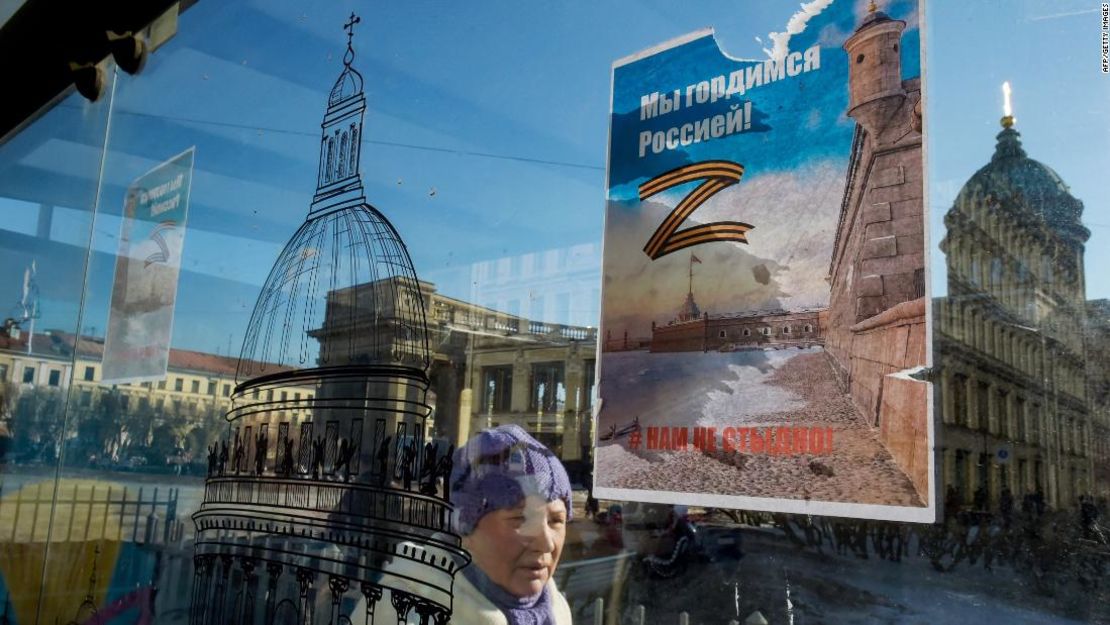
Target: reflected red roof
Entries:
(61, 345)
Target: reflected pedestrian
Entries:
(261, 447)
(223, 457)
(1006, 506)
(512, 501)
(408, 459)
(319, 446)
(240, 454)
(343, 459)
(382, 457)
(213, 458)
(593, 506)
(952, 500)
(1088, 516)
(443, 470)
(287, 459)
(428, 470)
(980, 499)
(1027, 504)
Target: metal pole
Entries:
(104, 520)
(35, 514)
(72, 513)
(122, 507)
(18, 507)
(135, 523)
(152, 518)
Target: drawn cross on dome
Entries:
(350, 28)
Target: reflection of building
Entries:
(877, 275)
(570, 291)
(490, 368)
(1098, 393)
(196, 383)
(537, 375)
(44, 366)
(1010, 333)
(351, 505)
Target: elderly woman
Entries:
(512, 502)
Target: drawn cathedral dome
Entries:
(345, 268)
(327, 478)
(349, 84)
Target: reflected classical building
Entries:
(487, 367)
(1098, 393)
(196, 388)
(571, 287)
(345, 514)
(528, 372)
(1010, 334)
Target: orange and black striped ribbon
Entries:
(718, 175)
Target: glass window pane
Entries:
(48, 194)
(392, 247)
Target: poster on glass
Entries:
(764, 329)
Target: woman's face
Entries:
(518, 548)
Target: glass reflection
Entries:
(498, 198)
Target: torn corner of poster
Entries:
(764, 290)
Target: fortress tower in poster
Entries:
(876, 332)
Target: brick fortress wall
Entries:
(876, 328)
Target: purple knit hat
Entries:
(497, 469)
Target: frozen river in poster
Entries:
(694, 388)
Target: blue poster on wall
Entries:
(763, 304)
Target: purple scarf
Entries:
(534, 610)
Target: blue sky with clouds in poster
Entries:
(795, 157)
(796, 120)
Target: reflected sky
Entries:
(486, 133)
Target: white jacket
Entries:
(471, 607)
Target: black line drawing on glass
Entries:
(327, 493)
